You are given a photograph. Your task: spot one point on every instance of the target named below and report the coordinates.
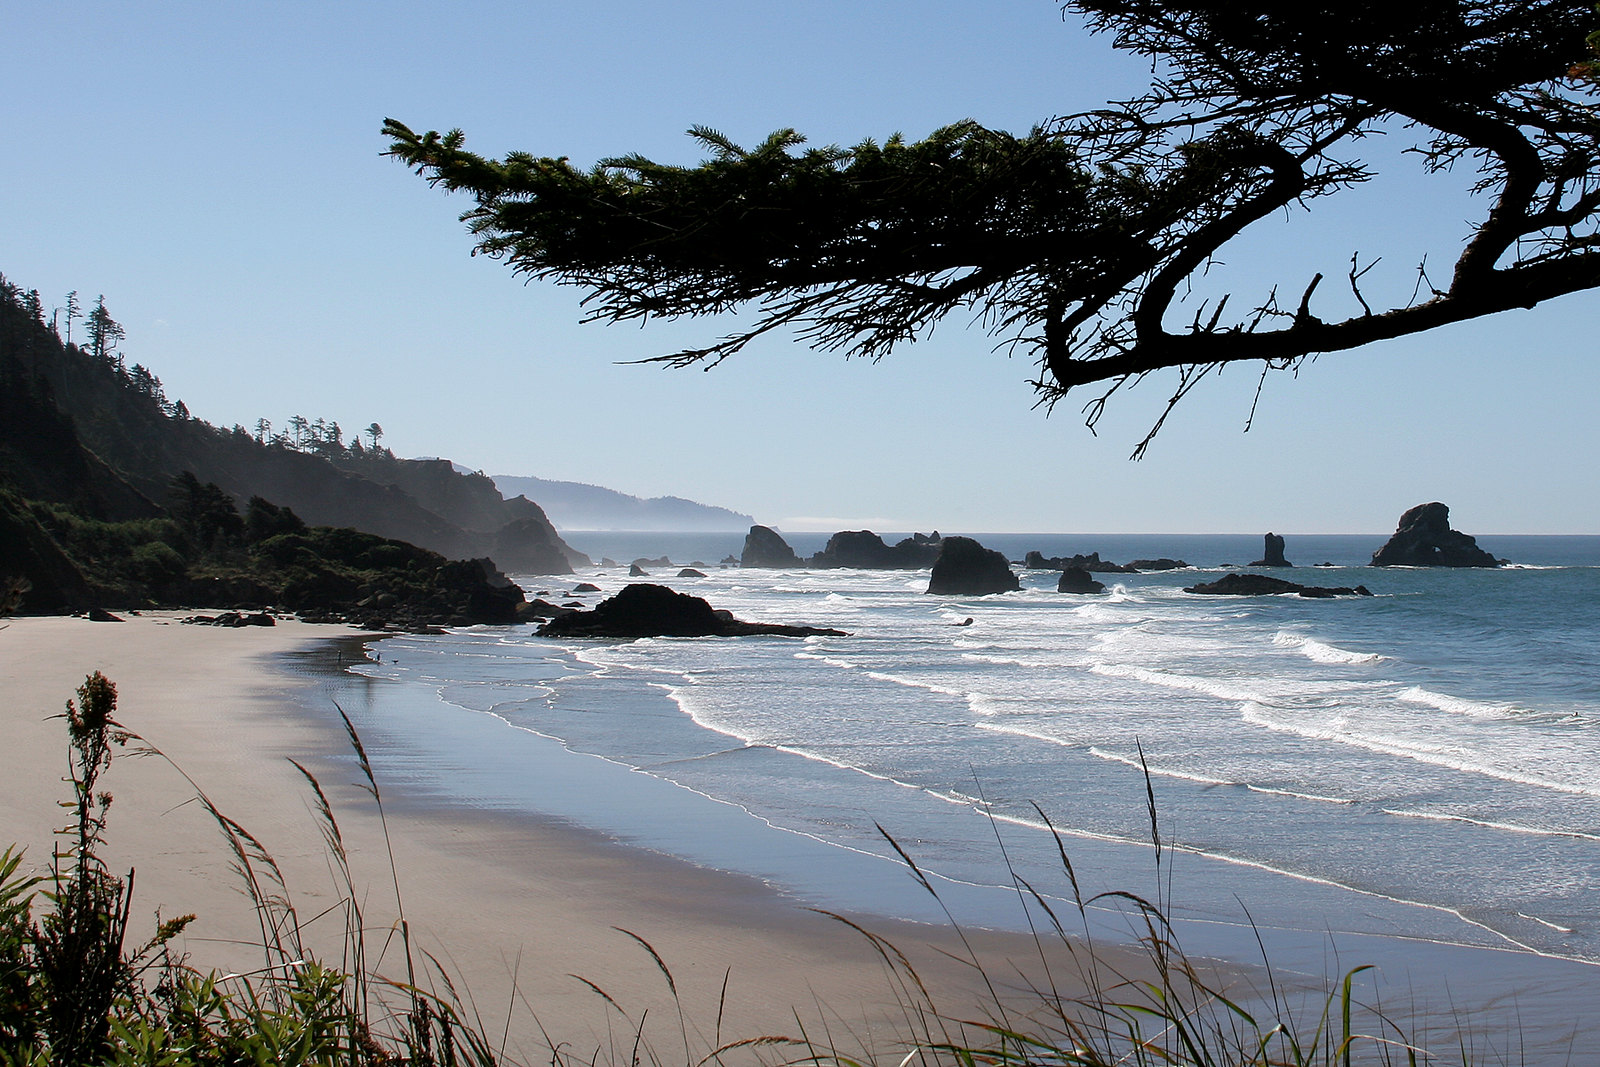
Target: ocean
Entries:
(1394, 779)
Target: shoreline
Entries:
(512, 907)
(1446, 984)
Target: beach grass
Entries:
(73, 990)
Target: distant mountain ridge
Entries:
(579, 506)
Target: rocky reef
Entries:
(1266, 585)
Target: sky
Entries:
(215, 171)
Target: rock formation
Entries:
(690, 572)
(1264, 585)
(1092, 563)
(1424, 539)
(866, 550)
(643, 610)
(1272, 554)
(1078, 580)
(765, 547)
(1162, 564)
(636, 571)
(966, 568)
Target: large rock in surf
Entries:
(966, 568)
(1078, 580)
(1272, 554)
(1265, 585)
(645, 610)
(1424, 539)
(765, 547)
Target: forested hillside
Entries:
(86, 436)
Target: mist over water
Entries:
(1424, 763)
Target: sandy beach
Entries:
(512, 907)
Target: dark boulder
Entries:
(643, 610)
(690, 572)
(1424, 539)
(765, 547)
(1162, 564)
(1244, 584)
(966, 568)
(585, 587)
(1078, 580)
(1272, 554)
(636, 571)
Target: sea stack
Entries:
(765, 547)
(966, 568)
(1424, 539)
(1078, 580)
(1272, 554)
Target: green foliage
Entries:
(1081, 242)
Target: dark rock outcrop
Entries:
(1272, 554)
(636, 571)
(585, 587)
(765, 547)
(966, 568)
(866, 550)
(644, 610)
(690, 572)
(1078, 580)
(1265, 585)
(1092, 563)
(1424, 539)
(1162, 564)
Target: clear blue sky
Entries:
(214, 170)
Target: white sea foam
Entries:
(1298, 795)
(1318, 652)
(1158, 771)
(1481, 709)
(1214, 687)
(1491, 824)
(1446, 753)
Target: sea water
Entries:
(1420, 766)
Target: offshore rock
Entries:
(644, 610)
(1265, 585)
(1078, 580)
(690, 572)
(636, 571)
(1092, 563)
(966, 568)
(866, 550)
(1424, 539)
(1272, 554)
(1162, 564)
(765, 547)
